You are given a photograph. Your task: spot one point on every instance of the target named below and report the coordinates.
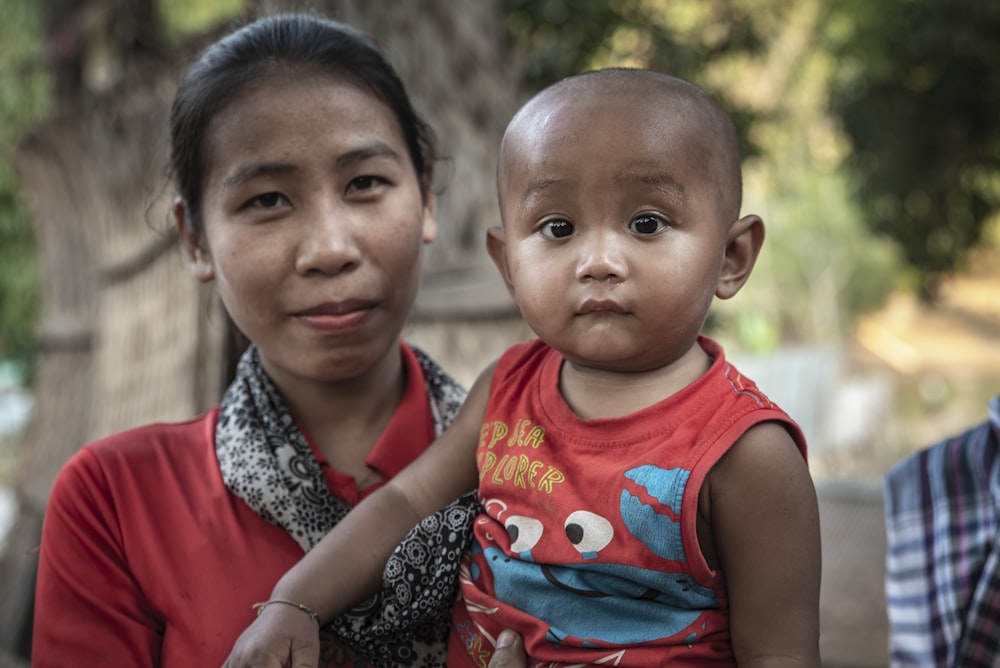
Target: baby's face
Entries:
(614, 236)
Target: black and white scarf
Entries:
(266, 461)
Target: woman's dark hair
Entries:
(299, 41)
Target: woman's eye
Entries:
(557, 229)
(646, 225)
(268, 200)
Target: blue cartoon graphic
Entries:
(659, 532)
(606, 603)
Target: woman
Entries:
(304, 181)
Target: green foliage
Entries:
(561, 37)
(23, 100)
(185, 17)
(680, 37)
(919, 96)
(819, 268)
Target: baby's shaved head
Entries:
(714, 143)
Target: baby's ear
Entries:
(496, 245)
(743, 243)
(194, 244)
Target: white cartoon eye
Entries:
(524, 532)
(588, 532)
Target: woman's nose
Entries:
(602, 258)
(329, 243)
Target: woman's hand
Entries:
(509, 652)
(280, 637)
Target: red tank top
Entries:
(588, 546)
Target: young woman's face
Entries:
(314, 223)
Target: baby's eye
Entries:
(646, 224)
(269, 200)
(557, 229)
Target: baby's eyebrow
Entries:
(537, 188)
(666, 184)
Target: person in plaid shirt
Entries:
(943, 559)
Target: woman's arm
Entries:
(88, 608)
(346, 566)
(765, 520)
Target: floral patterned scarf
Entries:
(266, 461)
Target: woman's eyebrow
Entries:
(373, 150)
(244, 173)
(249, 172)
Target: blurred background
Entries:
(871, 135)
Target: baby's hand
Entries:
(280, 637)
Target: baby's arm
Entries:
(346, 566)
(765, 520)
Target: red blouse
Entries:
(148, 560)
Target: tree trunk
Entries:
(127, 336)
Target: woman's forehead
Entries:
(331, 103)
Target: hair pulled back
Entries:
(293, 42)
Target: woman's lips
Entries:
(337, 317)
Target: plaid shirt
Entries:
(943, 564)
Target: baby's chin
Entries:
(610, 363)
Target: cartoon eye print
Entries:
(588, 532)
(524, 532)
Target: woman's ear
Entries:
(743, 244)
(429, 229)
(200, 261)
(496, 246)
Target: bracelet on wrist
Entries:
(259, 607)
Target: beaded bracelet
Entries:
(259, 607)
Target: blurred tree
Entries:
(680, 37)
(919, 96)
(23, 100)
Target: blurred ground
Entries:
(944, 361)
(936, 367)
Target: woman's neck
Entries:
(345, 418)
